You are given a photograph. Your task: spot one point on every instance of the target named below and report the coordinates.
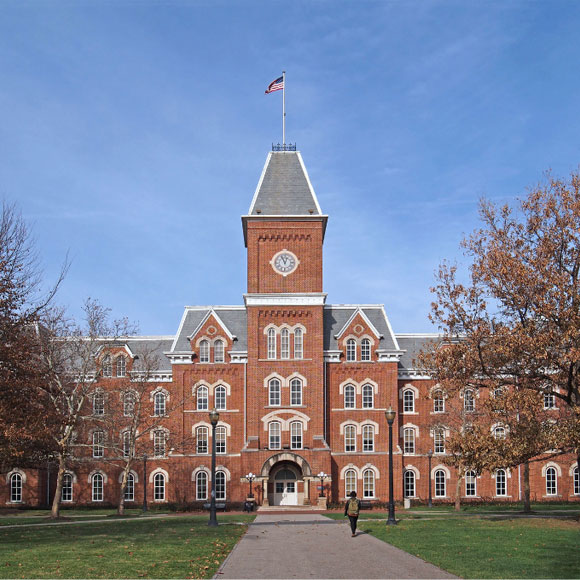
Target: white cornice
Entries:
(310, 299)
(180, 358)
(390, 355)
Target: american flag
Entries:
(276, 85)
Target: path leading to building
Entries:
(312, 546)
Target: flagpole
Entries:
(283, 107)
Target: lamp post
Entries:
(429, 456)
(322, 476)
(144, 482)
(214, 417)
(390, 414)
(250, 477)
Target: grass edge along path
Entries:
(163, 547)
(479, 547)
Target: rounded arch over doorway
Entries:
(287, 477)
(286, 456)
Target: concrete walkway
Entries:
(312, 546)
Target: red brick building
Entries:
(301, 387)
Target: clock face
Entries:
(284, 262)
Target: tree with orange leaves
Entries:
(514, 323)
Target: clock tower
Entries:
(284, 233)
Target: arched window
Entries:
(129, 400)
(159, 404)
(220, 485)
(349, 397)
(367, 397)
(298, 343)
(121, 366)
(98, 403)
(500, 482)
(107, 366)
(98, 444)
(296, 392)
(438, 402)
(274, 435)
(470, 483)
(284, 343)
(130, 488)
(576, 477)
(440, 483)
(365, 349)
(271, 343)
(201, 436)
(201, 485)
(351, 350)
(126, 441)
(368, 483)
(350, 438)
(159, 443)
(218, 351)
(97, 486)
(368, 438)
(551, 481)
(296, 435)
(220, 398)
(499, 432)
(408, 401)
(202, 394)
(159, 487)
(349, 482)
(274, 392)
(16, 488)
(67, 487)
(439, 440)
(409, 483)
(468, 401)
(409, 440)
(220, 440)
(204, 351)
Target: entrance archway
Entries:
(288, 479)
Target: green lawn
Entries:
(479, 547)
(164, 547)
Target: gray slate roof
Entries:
(413, 344)
(154, 346)
(336, 316)
(284, 188)
(234, 319)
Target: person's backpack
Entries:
(353, 507)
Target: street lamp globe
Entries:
(214, 417)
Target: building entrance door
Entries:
(285, 492)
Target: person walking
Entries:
(351, 509)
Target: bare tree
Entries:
(24, 436)
(70, 353)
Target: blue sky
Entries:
(133, 135)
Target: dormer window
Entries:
(107, 367)
(218, 351)
(365, 350)
(204, 351)
(351, 350)
(121, 366)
